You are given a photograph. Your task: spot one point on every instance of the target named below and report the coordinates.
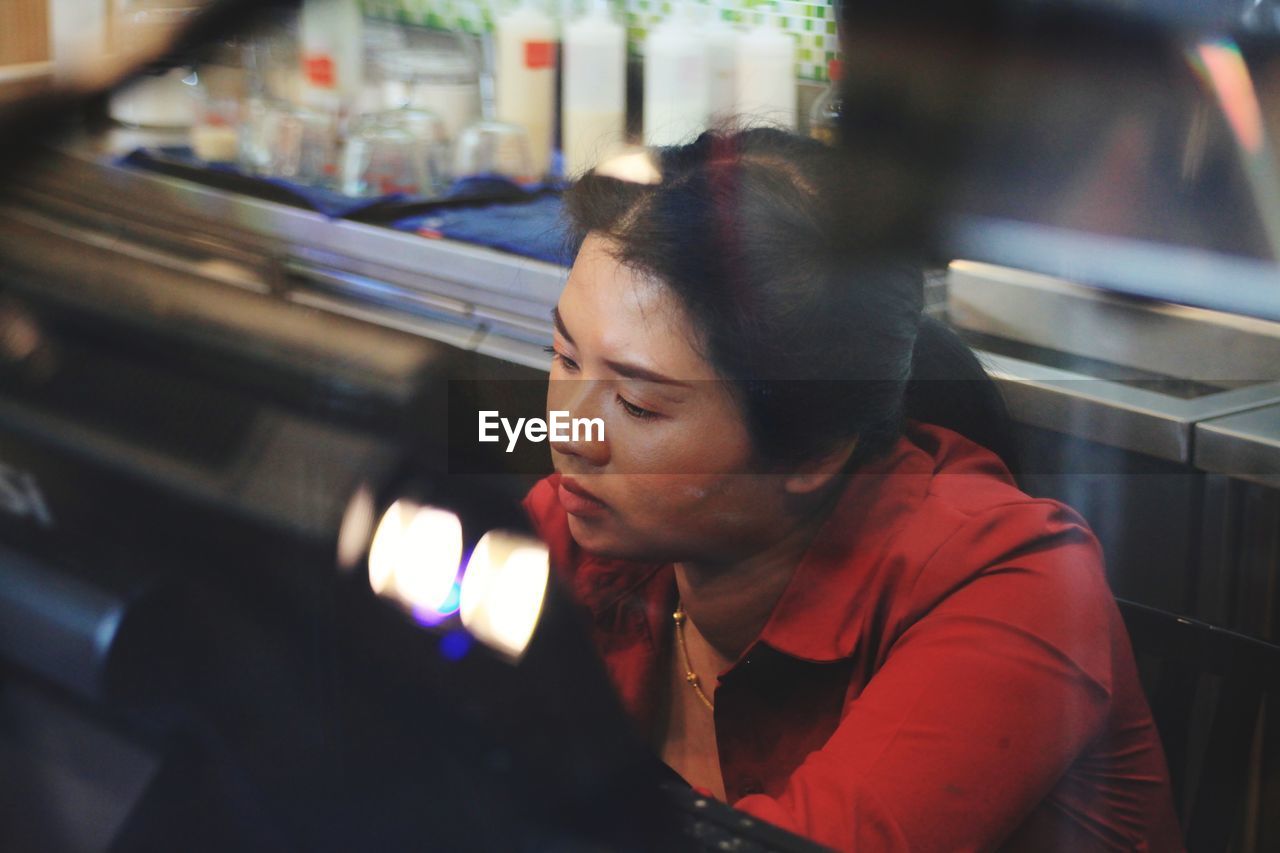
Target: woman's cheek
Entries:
(655, 447)
(702, 446)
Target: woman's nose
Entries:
(580, 400)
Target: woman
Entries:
(830, 614)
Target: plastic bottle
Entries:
(331, 37)
(824, 114)
(765, 88)
(677, 80)
(594, 95)
(722, 47)
(525, 76)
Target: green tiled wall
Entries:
(812, 24)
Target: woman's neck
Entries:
(731, 602)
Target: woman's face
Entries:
(673, 479)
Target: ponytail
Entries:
(950, 388)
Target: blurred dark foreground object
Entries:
(1120, 145)
(28, 125)
(183, 663)
(184, 667)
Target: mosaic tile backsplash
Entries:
(812, 24)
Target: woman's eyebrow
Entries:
(622, 368)
(635, 371)
(559, 324)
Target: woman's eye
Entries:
(634, 410)
(565, 361)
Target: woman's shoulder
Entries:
(995, 552)
(968, 482)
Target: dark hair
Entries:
(767, 239)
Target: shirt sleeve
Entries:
(999, 682)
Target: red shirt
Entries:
(946, 669)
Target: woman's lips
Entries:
(578, 501)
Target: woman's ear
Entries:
(815, 474)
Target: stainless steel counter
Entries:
(1244, 446)
(1125, 373)
(464, 295)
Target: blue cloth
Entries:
(534, 229)
(530, 228)
(228, 176)
(491, 184)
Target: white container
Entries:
(166, 100)
(331, 37)
(594, 95)
(722, 57)
(677, 81)
(766, 77)
(525, 77)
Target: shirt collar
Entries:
(838, 583)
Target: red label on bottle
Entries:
(319, 71)
(539, 54)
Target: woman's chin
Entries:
(595, 537)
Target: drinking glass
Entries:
(489, 146)
(398, 146)
(394, 151)
(283, 140)
(494, 148)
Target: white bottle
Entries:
(765, 88)
(525, 77)
(722, 49)
(677, 81)
(594, 94)
(331, 36)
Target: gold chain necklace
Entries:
(690, 676)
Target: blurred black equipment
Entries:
(186, 666)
